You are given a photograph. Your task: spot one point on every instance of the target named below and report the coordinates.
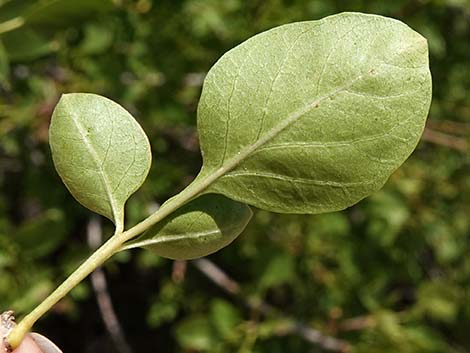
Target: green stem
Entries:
(113, 245)
(108, 249)
(11, 25)
(96, 259)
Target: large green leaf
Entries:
(312, 117)
(199, 228)
(100, 152)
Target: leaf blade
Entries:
(100, 152)
(289, 136)
(199, 228)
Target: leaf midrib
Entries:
(206, 181)
(101, 172)
(159, 239)
(207, 177)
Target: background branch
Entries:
(100, 287)
(449, 126)
(229, 285)
(446, 140)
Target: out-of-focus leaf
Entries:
(13, 9)
(195, 333)
(98, 39)
(388, 215)
(60, 12)
(25, 44)
(165, 306)
(4, 66)
(42, 235)
(225, 317)
(279, 270)
(438, 300)
(40, 288)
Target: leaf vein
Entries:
(299, 180)
(278, 74)
(175, 237)
(331, 51)
(111, 134)
(96, 160)
(129, 166)
(229, 106)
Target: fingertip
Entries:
(28, 346)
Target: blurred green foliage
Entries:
(391, 274)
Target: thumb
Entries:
(27, 345)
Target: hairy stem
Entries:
(108, 249)
(115, 244)
(96, 259)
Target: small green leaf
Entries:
(225, 317)
(100, 152)
(97, 39)
(199, 228)
(196, 334)
(312, 117)
(279, 270)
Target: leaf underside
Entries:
(312, 117)
(199, 228)
(308, 117)
(100, 152)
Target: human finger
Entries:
(28, 346)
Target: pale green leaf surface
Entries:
(314, 116)
(199, 228)
(100, 152)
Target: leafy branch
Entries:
(308, 117)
